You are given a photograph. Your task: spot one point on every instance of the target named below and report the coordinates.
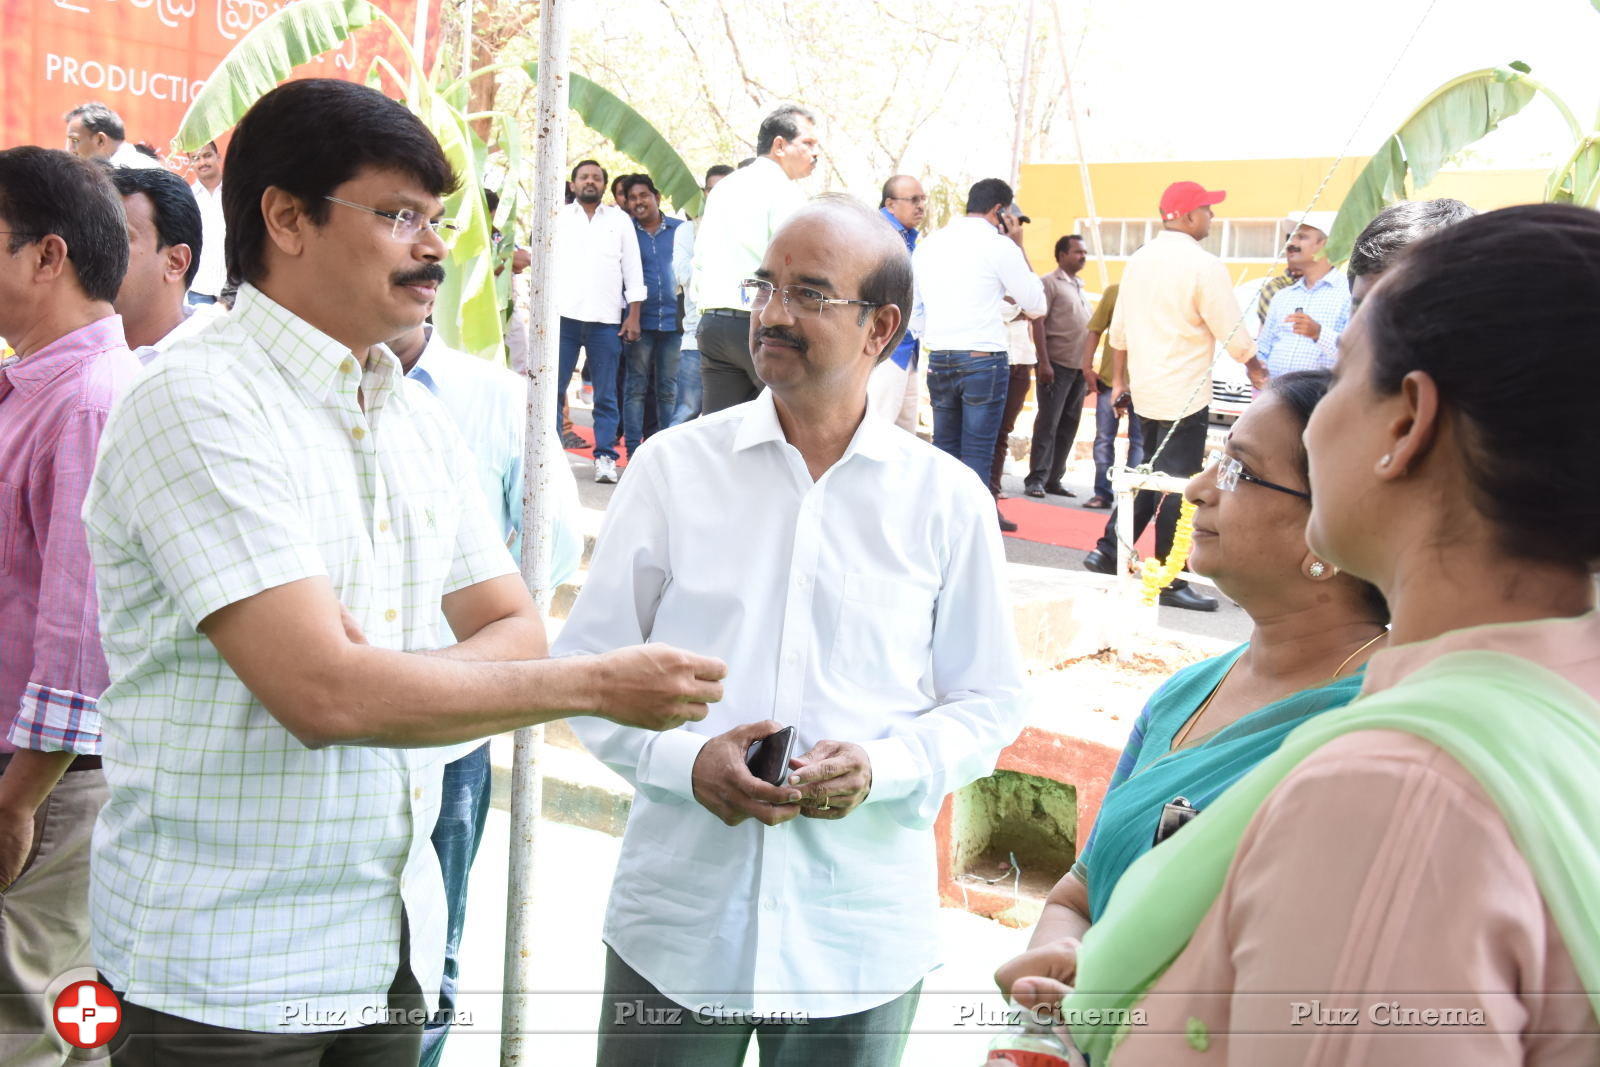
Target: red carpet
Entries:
(1052, 524)
(587, 451)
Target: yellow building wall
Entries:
(1052, 196)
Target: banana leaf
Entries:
(1455, 115)
(466, 311)
(1577, 181)
(294, 34)
(604, 113)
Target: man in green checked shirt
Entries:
(276, 520)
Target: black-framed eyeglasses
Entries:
(800, 300)
(1230, 472)
(407, 223)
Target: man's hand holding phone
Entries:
(725, 787)
(836, 777)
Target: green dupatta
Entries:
(1530, 738)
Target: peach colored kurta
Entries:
(1378, 882)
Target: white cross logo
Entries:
(93, 1008)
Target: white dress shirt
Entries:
(212, 274)
(128, 156)
(742, 213)
(962, 275)
(682, 258)
(868, 606)
(597, 264)
(1175, 306)
(195, 319)
(241, 879)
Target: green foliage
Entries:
(1455, 115)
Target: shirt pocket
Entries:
(10, 524)
(884, 633)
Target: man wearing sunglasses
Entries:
(277, 520)
(853, 577)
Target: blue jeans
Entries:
(968, 394)
(1105, 440)
(688, 402)
(604, 346)
(463, 810)
(657, 348)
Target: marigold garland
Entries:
(1157, 576)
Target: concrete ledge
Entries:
(579, 790)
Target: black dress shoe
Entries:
(1099, 503)
(1100, 563)
(1006, 525)
(1059, 490)
(1034, 491)
(1185, 597)
(572, 440)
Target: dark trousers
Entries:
(727, 374)
(463, 811)
(652, 384)
(154, 1039)
(604, 347)
(1016, 392)
(1105, 440)
(1056, 426)
(967, 391)
(641, 1028)
(1183, 457)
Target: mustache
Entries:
(428, 272)
(780, 334)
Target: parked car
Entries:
(1231, 390)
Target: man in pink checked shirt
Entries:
(63, 253)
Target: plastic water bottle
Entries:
(1035, 1044)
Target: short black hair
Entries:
(1526, 439)
(98, 118)
(1065, 243)
(785, 123)
(639, 179)
(721, 170)
(1399, 225)
(173, 207)
(307, 138)
(988, 194)
(576, 167)
(45, 191)
(745, 162)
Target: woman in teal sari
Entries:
(1212, 722)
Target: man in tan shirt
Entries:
(1175, 306)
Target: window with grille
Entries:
(1237, 239)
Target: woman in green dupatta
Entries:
(1413, 879)
(1214, 721)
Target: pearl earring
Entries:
(1385, 461)
(1318, 569)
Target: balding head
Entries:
(905, 200)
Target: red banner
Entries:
(147, 59)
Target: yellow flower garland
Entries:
(1157, 576)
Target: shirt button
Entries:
(383, 525)
(391, 615)
(769, 904)
(347, 367)
(793, 657)
(357, 432)
(800, 581)
(416, 793)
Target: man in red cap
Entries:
(1175, 306)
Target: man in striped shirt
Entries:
(1303, 323)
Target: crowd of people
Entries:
(256, 533)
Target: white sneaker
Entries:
(605, 470)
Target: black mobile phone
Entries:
(768, 758)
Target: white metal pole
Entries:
(1083, 162)
(1022, 97)
(539, 458)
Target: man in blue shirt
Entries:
(652, 360)
(1303, 323)
(892, 389)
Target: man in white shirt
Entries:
(211, 277)
(1175, 306)
(741, 215)
(687, 404)
(276, 524)
(164, 242)
(812, 900)
(965, 273)
(597, 272)
(94, 131)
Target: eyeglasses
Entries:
(1230, 472)
(798, 299)
(407, 223)
(914, 201)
